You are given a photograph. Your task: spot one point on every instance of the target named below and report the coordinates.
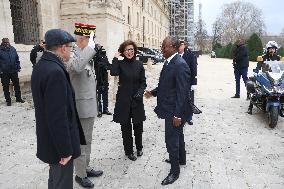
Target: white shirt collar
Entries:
(171, 57)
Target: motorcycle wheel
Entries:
(273, 117)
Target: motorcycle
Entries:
(266, 89)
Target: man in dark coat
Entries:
(191, 61)
(241, 64)
(58, 129)
(173, 104)
(102, 66)
(9, 68)
(37, 52)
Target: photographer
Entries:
(102, 65)
(37, 52)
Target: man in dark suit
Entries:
(58, 129)
(191, 61)
(173, 104)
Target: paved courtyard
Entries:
(226, 147)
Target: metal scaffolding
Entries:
(182, 19)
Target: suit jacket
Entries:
(83, 79)
(58, 129)
(173, 90)
(191, 61)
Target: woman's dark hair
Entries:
(125, 44)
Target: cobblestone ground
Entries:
(226, 148)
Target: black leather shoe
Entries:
(190, 123)
(84, 182)
(139, 153)
(107, 112)
(9, 103)
(249, 112)
(132, 157)
(93, 173)
(100, 114)
(236, 96)
(20, 100)
(171, 178)
(169, 161)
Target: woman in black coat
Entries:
(129, 98)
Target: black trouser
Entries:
(175, 145)
(5, 80)
(192, 100)
(61, 177)
(103, 98)
(126, 130)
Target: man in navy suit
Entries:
(173, 104)
(191, 60)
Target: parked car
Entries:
(159, 55)
(213, 54)
(149, 53)
(142, 56)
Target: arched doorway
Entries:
(25, 21)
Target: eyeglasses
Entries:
(129, 50)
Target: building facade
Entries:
(146, 21)
(182, 19)
(25, 22)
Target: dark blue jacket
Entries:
(241, 57)
(173, 90)
(58, 129)
(9, 60)
(191, 60)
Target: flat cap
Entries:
(56, 37)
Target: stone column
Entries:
(6, 27)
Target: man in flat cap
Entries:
(58, 128)
(83, 79)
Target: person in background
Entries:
(9, 68)
(191, 61)
(241, 64)
(129, 106)
(58, 129)
(37, 52)
(270, 55)
(102, 66)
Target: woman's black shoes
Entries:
(132, 157)
(139, 153)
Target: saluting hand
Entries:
(117, 54)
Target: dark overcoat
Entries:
(241, 57)
(58, 129)
(191, 60)
(132, 80)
